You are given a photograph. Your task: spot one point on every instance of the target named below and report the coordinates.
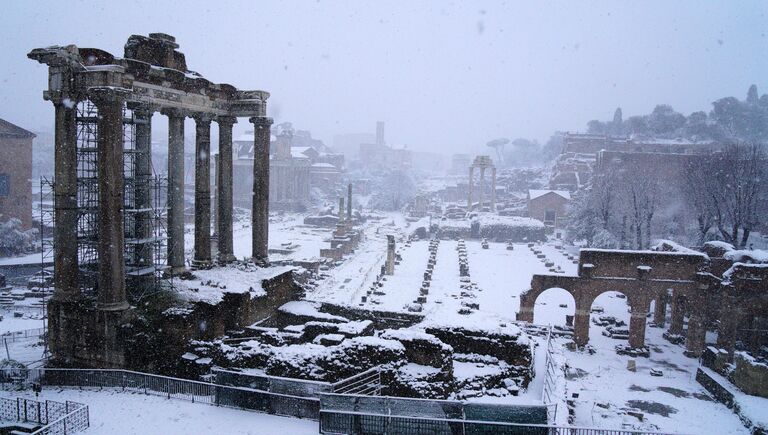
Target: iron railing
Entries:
(361, 423)
(26, 334)
(367, 383)
(54, 417)
(550, 376)
(168, 387)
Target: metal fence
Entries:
(171, 388)
(54, 417)
(272, 384)
(356, 414)
(367, 383)
(550, 376)
(359, 423)
(26, 334)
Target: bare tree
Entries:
(640, 194)
(734, 180)
(697, 195)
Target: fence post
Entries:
(46, 412)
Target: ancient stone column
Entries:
(469, 187)
(260, 207)
(390, 264)
(349, 202)
(730, 318)
(224, 182)
(202, 256)
(111, 279)
(493, 189)
(175, 225)
(341, 209)
(142, 115)
(660, 309)
(481, 188)
(695, 340)
(678, 315)
(581, 325)
(637, 327)
(65, 265)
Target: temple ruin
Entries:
(482, 163)
(110, 227)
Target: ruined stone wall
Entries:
(153, 335)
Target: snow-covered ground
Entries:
(118, 413)
(674, 402)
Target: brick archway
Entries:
(584, 292)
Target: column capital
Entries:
(226, 120)
(203, 117)
(61, 98)
(142, 110)
(173, 112)
(105, 94)
(261, 121)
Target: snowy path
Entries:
(402, 288)
(118, 413)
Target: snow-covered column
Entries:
(341, 209)
(660, 309)
(349, 202)
(390, 264)
(637, 327)
(678, 314)
(493, 189)
(469, 187)
(175, 189)
(111, 279)
(730, 318)
(224, 195)
(696, 337)
(142, 115)
(260, 206)
(481, 187)
(581, 323)
(202, 190)
(65, 265)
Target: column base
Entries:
(226, 258)
(176, 271)
(261, 262)
(201, 264)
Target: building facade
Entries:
(15, 173)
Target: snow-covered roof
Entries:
(533, 194)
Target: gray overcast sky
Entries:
(445, 76)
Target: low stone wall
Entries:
(750, 375)
(723, 395)
(153, 335)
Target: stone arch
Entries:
(638, 299)
(605, 299)
(552, 308)
(540, 284)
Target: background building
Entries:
(15, 173)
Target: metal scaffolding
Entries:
(145, 253)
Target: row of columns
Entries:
(110, 245)
(481, 187)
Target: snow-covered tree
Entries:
(13, 240)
